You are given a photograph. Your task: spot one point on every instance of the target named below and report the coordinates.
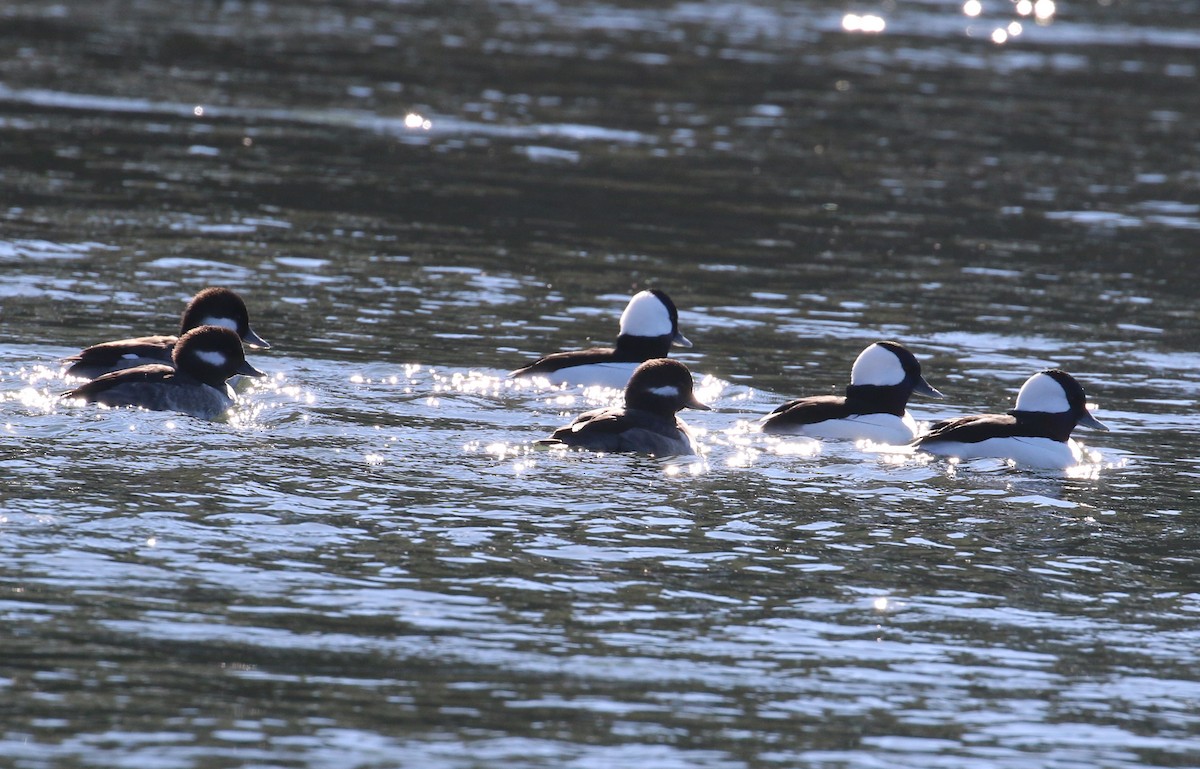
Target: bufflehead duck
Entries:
(1037, 433)
(211, 307)
(883, 378)
(204, 359)
(649, 326)
(647, 423)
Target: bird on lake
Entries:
(882, 379)
(649, 327)
(197, 384)
(213, 306)
(648, 421)
(1036, 433)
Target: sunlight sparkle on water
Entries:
(796, 447)
(709, 388)
(972, 8)
(37, 400)
(414, 121)
(690, 465)
(869, 24)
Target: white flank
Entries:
(645, 315)
(877, 428)
(1024, 452)
(613, 375)
(877, 365)
(1042, 392)
(212, 358)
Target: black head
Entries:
(216, 306)
(663, 386)
(912, 369)
(212, 354)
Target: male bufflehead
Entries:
(649, 326)
(204, 359)
(882, 379)
(211, 307)
(647, 423)
(1037, 433)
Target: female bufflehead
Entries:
(647, 423)
(211, 307)
(1037, 433)
(884, 376)
(649, 326)
(204, 359)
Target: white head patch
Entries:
(228, 323)
(645, 315)
(212, 358)
(665, 391)
(877, 365)
(1041, 392)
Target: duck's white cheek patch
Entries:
(212, 358)
(646, 316)
(1041, 392)
(228, 323)
(666, 391)
(877, 366)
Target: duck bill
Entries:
(925, 388)
(254, 340)
(1087, 420)
(679, 340)
(247, 370)
(697, 405)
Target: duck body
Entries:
(213, 306)
(874, 407)
(834, 417)
(628, 430)
(649, 327)
(205, 358)
(1037, 433)
(647, 422)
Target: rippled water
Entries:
(371, 564)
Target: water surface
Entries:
(371, 564)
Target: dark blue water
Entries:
(371, 564)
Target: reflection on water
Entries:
(372, 563)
